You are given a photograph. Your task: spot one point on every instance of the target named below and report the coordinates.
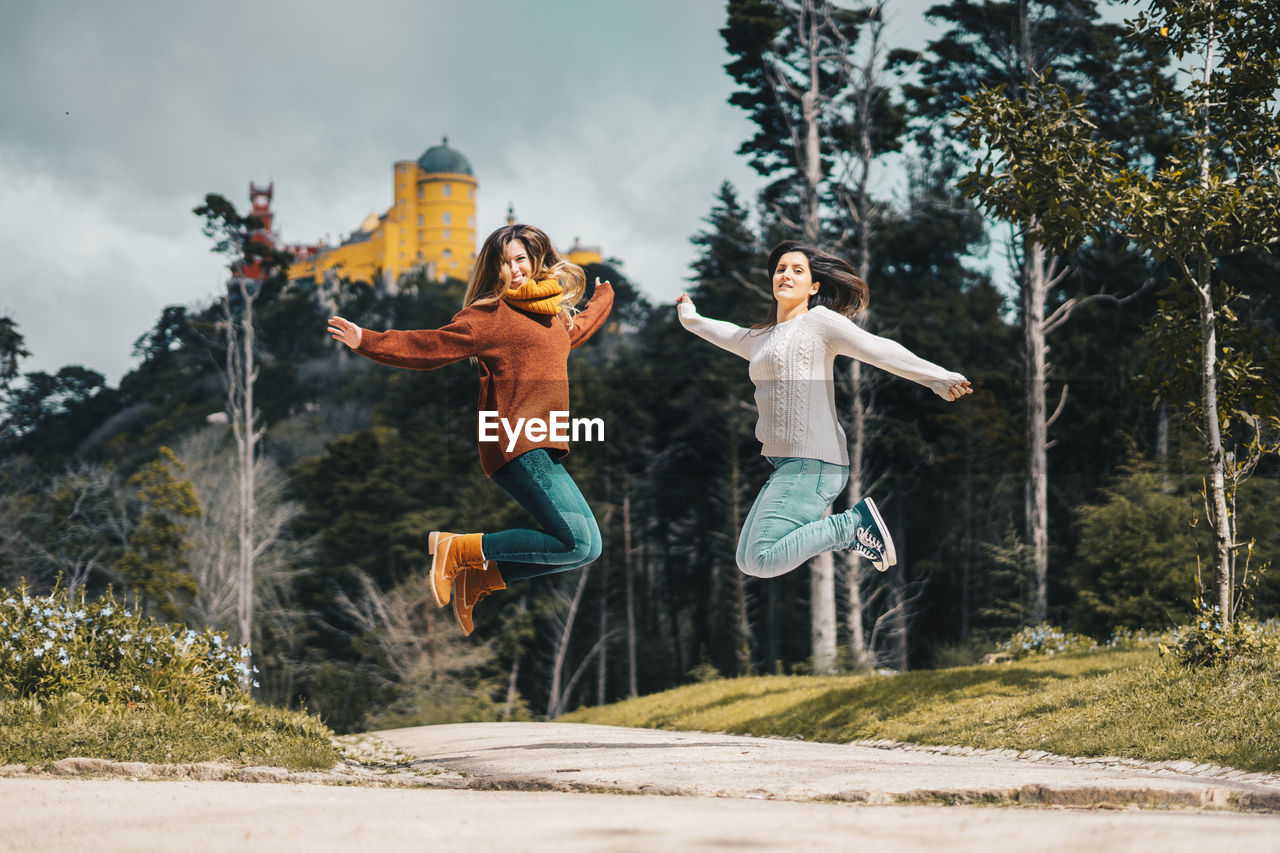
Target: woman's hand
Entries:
(958, 390)
(684, 297)
(346, 331)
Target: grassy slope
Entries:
(40, 733)
(1131, 704)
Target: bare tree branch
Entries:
(1062, 401)
(1064, 311)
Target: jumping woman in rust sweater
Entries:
(518, 323)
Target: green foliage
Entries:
(777, 48)
(704, 671)
(12, 348)
(982, 48)
(1132, 704)
(963, 653)
(61, 643)
(379, 457)
(1207, 642)
(49, 415)
(1137, 553)
(447, 701)
(1129, 639)
(38, 732)
(154, 564)
(1248, 393)
(94, 678)
(1046, 166)
(1007, 567)
(1044, 639)
(234, 236)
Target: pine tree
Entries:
(154, 565)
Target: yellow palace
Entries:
(430, 227)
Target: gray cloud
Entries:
(601, 120)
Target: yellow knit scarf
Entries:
(536, 297)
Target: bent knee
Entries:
(586, 546)
(752, 564)
(760, 564)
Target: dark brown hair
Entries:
(840, 288)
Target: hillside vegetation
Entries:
(1133, 704)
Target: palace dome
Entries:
(442, 158)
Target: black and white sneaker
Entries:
(871, 537)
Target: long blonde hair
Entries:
(491, 277)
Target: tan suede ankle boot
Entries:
(450, 554)
(470, 586)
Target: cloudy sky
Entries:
(600, 119)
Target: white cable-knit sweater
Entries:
(791, 366)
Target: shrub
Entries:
(1206, 643)
(1044, 639)
(1124, 639)
(57, 644)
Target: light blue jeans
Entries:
(786, 526)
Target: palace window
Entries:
(448, 189)
(421, 220)
(446, 234)
(447, 218)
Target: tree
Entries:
(563, 617)
(1012, 44)
(75, 527)
(53, 416)
(154, 564)
(215, 534)
(239, 239)
(1216, 195)
(1145, 585)
(793, 60)
(12, 349)
(876, 125)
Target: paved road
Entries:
(48, 814)
(569, 756)
(496, 785)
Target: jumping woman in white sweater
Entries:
(792, 355)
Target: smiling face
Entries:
(518, 265)
(793, 282)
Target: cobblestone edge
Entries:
(1108, 762)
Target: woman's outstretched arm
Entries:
(725, 335)
(424, 349)
(856, 342)
(592, 316)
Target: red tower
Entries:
(260, 199)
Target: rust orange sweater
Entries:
(523, 361)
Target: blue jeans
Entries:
(569, 537)
(786, 525)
